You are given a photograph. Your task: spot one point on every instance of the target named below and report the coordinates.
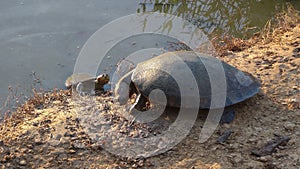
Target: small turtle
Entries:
(85, 83)
(156, 73)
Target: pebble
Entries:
(38, 141)
(294, 156)
(23, 150)
(295, 100)
(69, 134)
(265, 158)
(57, 136)
(236, 158)
(22, 162)
(72, 151)
(54, 142)
(258, 129)
(252, 139)
(62, 157)
(64, 140)
(235, 145)
(289, 126)
(56, 102)
(26, 132)
(58, 151)
(79, 145)
(29, 146)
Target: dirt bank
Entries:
(45, 132)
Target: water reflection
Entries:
(239, 18)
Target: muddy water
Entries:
(239, 17)
(42, 39)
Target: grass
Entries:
(281, 23)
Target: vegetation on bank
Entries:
(282, 22)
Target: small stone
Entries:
(54, 142)
(62, 157)
(64, 140)
(22, 162)
(23, 150)
(30, 146)
(38, 141)
(294, 156)
(236, 158)
(252, 139)
(201, 154)
(56, 102)
(289, 126)
(57, 136)
(296, 62)
(265, 158)
(264, 62)
(26, 132)
(79, 145)
(235, 145)
(72, 151)
(257, 129)
(295, 100)
(69, 134)
(3, 160)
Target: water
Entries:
(42, 39)
(239, 18)
(45, 37)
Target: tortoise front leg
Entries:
(228, 115)
(122, 89)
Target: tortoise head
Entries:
(102, 79)
(123, 88)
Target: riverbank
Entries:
(45, 132)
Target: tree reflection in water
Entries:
(239, 18)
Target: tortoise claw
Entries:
(228, 116)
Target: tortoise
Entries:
(156, 73)
(85, 83)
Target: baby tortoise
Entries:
(85, 83)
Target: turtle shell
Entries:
(74, 79)
(85, 83)
(163, 72)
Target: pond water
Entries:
(40, 40)
(239, 17)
